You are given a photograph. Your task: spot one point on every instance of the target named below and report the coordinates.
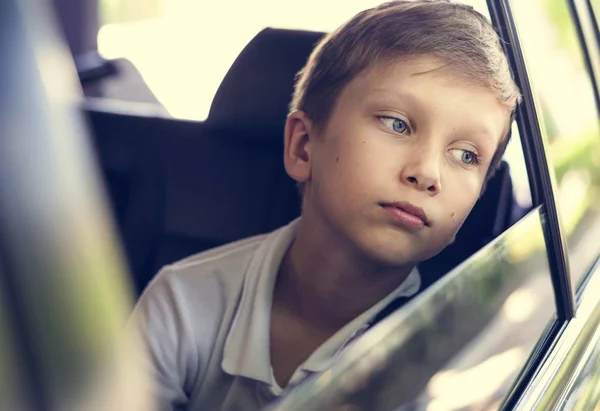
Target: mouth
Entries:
(408, 215)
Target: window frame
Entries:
(535, 149)
(547, 377)
(543, 187)
(594, 12)
(589, 38)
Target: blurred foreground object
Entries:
(62, 282)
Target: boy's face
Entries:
(401, 161)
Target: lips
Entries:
(407, 215)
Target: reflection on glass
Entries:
(584, 394)
(460, 345)
(518, 170)
(565, 101)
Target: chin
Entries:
(398, 250)
(389, 253)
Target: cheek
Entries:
(351, 163)
(333, 172)
(463, 200)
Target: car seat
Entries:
(181, 187)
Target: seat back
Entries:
(181, 187)
(253, 98)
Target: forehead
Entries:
(419, 71)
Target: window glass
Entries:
(518, 172)
(183, 48)
(566, 106)
(584, 393)
(459, 346)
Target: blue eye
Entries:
(395, 124)
(466, 157)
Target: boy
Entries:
(397, 120)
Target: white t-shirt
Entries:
(206, 324)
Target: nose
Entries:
(422, 172)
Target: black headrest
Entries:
(253, 97)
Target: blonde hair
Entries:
(455, 33)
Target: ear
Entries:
(297, 146)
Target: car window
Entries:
(461, 345)
(183, 48)
(569, 116)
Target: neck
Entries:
(327, 283)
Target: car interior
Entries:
(505, 318)
(180, 187)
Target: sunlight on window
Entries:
(454, 389)
(520, 305)
(535, 243)
(518, 169)
(574, 197)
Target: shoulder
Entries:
(210, 277)
(184, 308)
(229, 256)
(204, 283)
